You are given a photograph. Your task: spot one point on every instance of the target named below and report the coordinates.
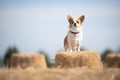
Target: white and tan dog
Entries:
(72, 41)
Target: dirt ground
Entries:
(60, 74)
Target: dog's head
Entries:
(75, 25)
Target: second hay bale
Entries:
(113, 60)
(28, 60)
(78, 59)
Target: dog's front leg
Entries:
(70, 48)
(74, 48)
(78, 48)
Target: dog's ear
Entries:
(82, 18)
(70, 19)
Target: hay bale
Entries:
(78, 59)
(28, 60)
(113, 60)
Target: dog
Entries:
(74, 37)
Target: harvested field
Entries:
(60, 74)
(73, 71)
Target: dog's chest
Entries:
(74, 38)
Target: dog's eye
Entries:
(77, 21)
(72, 22)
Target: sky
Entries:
(34, 25)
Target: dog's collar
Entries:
(74, 32)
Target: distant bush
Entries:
(9, 52)
(105, 53)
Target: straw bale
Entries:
(113, 60)
(28, 60)
(88, 59)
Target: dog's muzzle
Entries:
(74, 24)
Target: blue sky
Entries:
(34, 25)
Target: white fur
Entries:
(74, 40)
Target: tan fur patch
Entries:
(82, 18)
(66, 43)
(70, 19)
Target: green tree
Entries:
(1, 62)
(9, 52)
(49, 64)
(118, 51)
(105, 53)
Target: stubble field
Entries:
(60, 74)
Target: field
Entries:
(75, 66)
(60, 74)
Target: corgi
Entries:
(74, 37)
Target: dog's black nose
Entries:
(75, 24)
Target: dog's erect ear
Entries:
(82, 18)
(70, 19)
